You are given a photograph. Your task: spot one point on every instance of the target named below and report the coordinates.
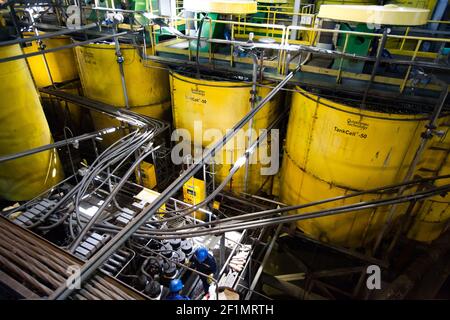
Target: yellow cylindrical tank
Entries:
(147, 85)
(63, 111)
(61, 64)
(219, 105)
(23, 126)
(333, 149)
(432, 216)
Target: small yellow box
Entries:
(194, 192)
(148, 174)
(216, 205)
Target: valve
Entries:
(120, 59)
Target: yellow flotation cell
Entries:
(332, 150)
(61, 64)
(23, 126)
(219, 105)
(147, 83)
(431, 217)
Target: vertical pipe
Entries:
(338, 78)
(40, 45)
(15, 21)
(426, 136)
(438, 14)
(295, 18)
(250, 123)
(222, 251)
(120, 61)
(261, 267)
(408, 72)
(375, 67)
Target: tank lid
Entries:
(222, 6)
(376, 15)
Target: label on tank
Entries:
(198, 96)
(354, 128)
(357, 124)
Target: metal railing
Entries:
(283, 45)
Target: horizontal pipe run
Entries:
(127, 116)
(316, 50)
(69, 46)
(58, 144)
(47, 35)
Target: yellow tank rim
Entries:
(222, 6)
(273, 1)
(111, 46)
(380, 15)
(360, 112)
(210, 83)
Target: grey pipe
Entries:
(69, 46)
(47, 35)
(103, 254)
(254, 96)
(58, 144)
(426, 136)
(263, 263)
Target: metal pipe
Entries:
(126, 116)
(119, 10)
(254, 96)
(236, 166)
(222, 251)
(300, 216)
(15, 20)
(295, 17)
(426, 136)
(102, 255)
(286, 208)
(25, 276)
(112, 194)
(375, 67)
(58, 144)
(261, 267)
(224, 266)
(439, 12)
(120, 61)
(40, 44)
(315, 50)
(68, 46)
(246, 268)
